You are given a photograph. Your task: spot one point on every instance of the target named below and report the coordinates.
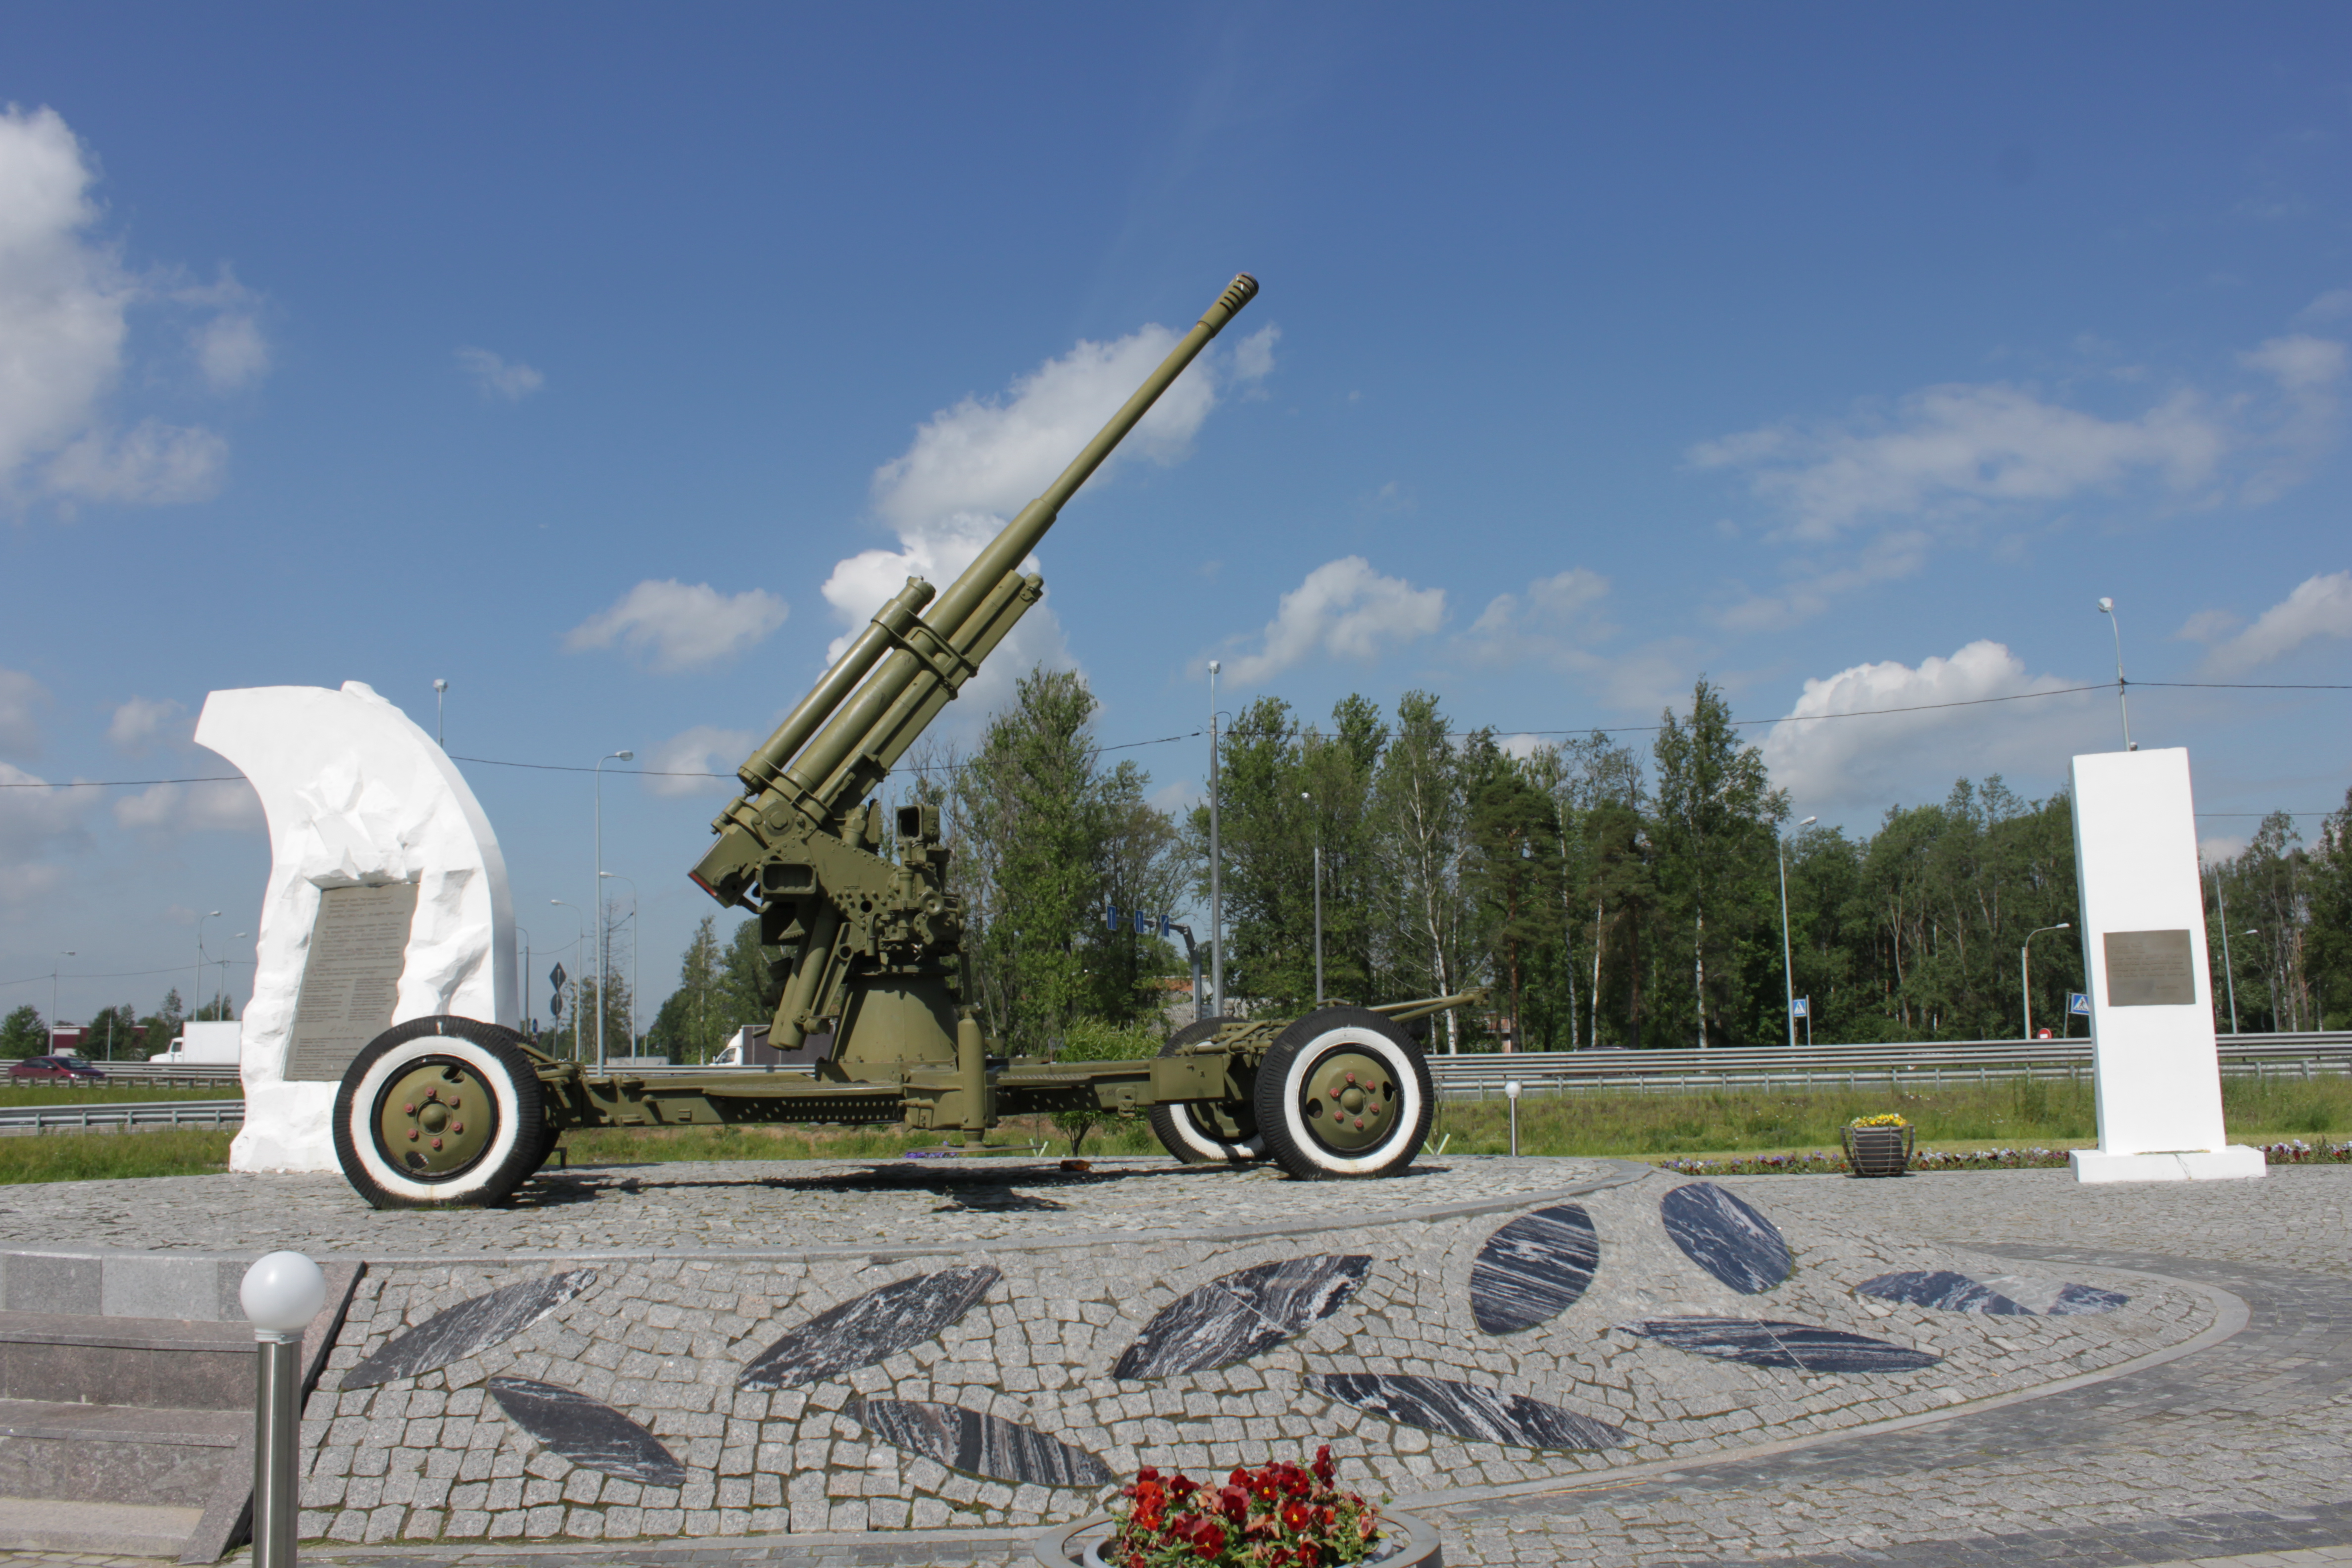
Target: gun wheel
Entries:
(440, 1113)
(1344, 1093)
(1199, 1134)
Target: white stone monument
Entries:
(2143, 925)
(386, 900)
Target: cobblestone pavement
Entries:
(751, 1207)
(2237, 1453)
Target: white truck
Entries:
(217, 1042)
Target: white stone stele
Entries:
(2158, 1076)
(356, 795)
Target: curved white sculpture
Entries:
(357, 795)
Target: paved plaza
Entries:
(2216, 1428)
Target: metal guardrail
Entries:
(1904, 1064)
(125, 1115)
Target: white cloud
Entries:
(1344, 609)
(680, 626)
(1828, 762)
(2213, 848)
(496, 376)
(2333, 306)
(972, 465)
(1813, 584)
(228, 807)
(1963, 447)
(1547, 622)
(142, 721)
(20, 695)
(66, 301)
(672, 767)
(2319, 607)
(37, 820)
(231, 352)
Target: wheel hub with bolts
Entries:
(436, 1119)
(1350, 1100)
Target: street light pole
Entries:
(1310, 799)
(440, 691)
(2229, 975)
(529, 1033)
(609, 757)
(575, 990)
(66, 952)
(2107, 608)
(1216, 861)
(636, 940)
(196, 1001)
(1787, 963)
(2025, 976)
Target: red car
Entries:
(54, 1069)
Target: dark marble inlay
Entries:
(1942, 1289)
(977, 1445)
(1762, 1343)
(1234, 1317)
(1726, 1236)
(2080, 1300)
(468, 1327)
(1534, 1268)
(1465, 1410)
(869, 1328)
(2001, 1294)
(589, 1433)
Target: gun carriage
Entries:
(450, 1111)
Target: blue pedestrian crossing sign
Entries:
(1802, 1007)
(2078, 1004)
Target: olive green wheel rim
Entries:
(1347, 1101)
(436, 1119)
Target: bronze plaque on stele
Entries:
(2150, 969)
(351, 981)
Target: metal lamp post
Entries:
(608, 757)
(440, 691)
(1310, 799)
(196, 1001)
(583, 958)
(523, 996)
(66, 952)
(636, 940)
(2025, 976)
(281, 1294)
(1788, 962)
(1216, 861)
(2107, 608)
(2229, 975)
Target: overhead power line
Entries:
(1195, 734)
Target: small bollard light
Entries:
(1511, 1093)
(281, 1294)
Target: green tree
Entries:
(164, 1025)
(1513, 875)
(1716, 815)
(113, 1035)
(1422, 939)
(687, 1027)
(24, 1034)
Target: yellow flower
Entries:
(1889, 1118)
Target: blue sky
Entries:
(609, 362)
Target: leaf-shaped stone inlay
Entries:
(1234, 1317)
(589, 1433)
(1466, 1410)
(869, 1328)
(1726, 1236)
(977, 1445)
(468, 1328)
(2006, 1295)
(1942, 1289)
(1534, 1268)
(1803, 1347)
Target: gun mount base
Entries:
(441, 1112)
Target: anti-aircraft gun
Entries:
(448, 1112)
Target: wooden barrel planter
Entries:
(1879, 1150)
(1405, 1540)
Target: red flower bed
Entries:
(1277, 1516)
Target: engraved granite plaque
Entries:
(351, 980)
(2150, 969)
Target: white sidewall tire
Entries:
(480, 1182)
(1413, 1103)
(1204, 1149)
